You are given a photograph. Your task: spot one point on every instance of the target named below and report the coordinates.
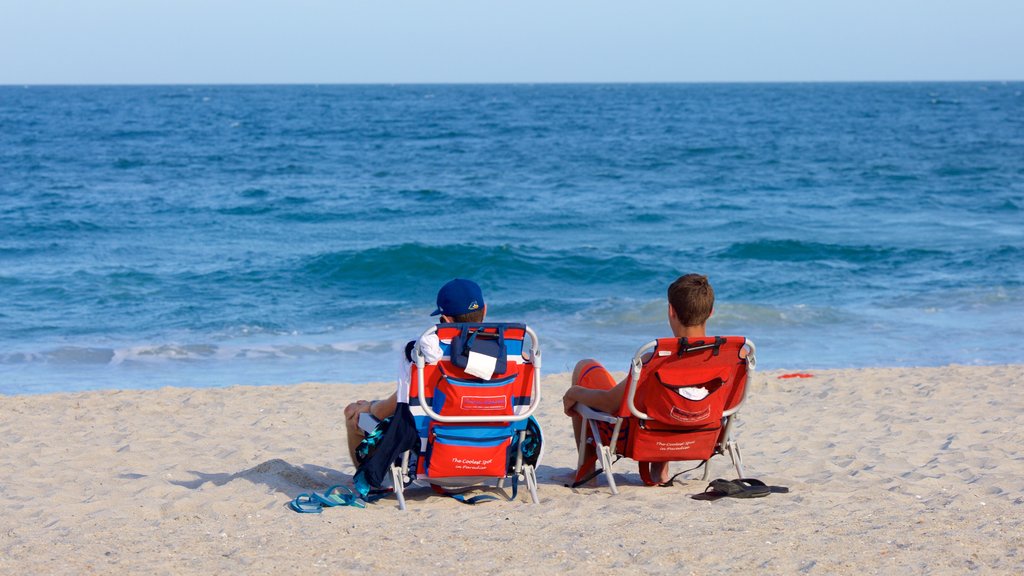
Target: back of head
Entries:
(474, 317)
(462, 300)
(692, 298)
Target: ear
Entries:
(447, 319)
(672, 313)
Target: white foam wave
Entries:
(147, 354)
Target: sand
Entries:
(890, 471)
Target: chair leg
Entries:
(531, 482)
(581, 448)
(399, 486)
(604, 454)
(606, 463)
(737, 458)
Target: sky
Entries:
(489, 41)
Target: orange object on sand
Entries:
(797, 375)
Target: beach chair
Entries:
(680, 405)
(473, 412)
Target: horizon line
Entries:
(502, 83)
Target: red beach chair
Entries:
(680, 405)
(473, 410)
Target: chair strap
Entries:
(462, 498)
(645, 474)
(701, 344)
(593, 474)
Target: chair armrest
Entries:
(590, 413)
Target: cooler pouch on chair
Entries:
(464, 450)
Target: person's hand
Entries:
(569, 402)
(356, 408)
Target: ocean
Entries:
(215, 235)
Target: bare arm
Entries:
(603, 400)
(381, 409)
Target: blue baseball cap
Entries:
(459, 297)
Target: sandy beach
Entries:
(910, 471)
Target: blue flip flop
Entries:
(306, 504)
(338, 495)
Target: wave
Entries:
(754, 317)
(1006, 206)
(954, 171)
(320, 217)
(249, 210)
(254, 193)
(500, 264)
(66, 355)
(650, 218)
(802, 251)
(128, 163)
(150, 354)
(35, 229)
(127, 134)
(261, 205)
(20, 252)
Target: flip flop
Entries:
(756, 482)
(740, 488)
(306, 504)
(335, 497)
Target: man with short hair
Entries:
(691, 301)
(458, 301)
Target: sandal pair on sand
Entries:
(336, 495)
(738, 488)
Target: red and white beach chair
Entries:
(473, 411)
(663, 417)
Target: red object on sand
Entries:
(797, 375)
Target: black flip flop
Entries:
(756, 482)
(739, 488)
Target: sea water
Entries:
(217, 235)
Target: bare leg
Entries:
(353, 433)
(578, 369)
(379, 409)
(577, 430)
(659, 472)
(577, 420)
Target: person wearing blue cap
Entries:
(459, 300)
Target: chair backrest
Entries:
(467, 421)
(688, 383)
